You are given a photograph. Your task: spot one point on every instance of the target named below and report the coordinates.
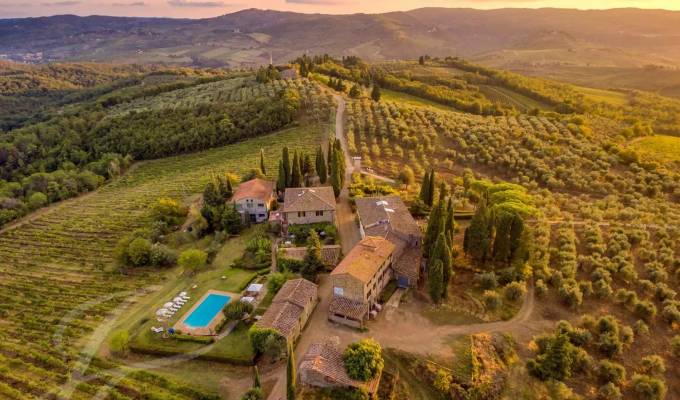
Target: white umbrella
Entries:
(168, 304)
(161, 312)
(178, 299)
(182, 293)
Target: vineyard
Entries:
(58, 262)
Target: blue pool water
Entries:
(207, 310)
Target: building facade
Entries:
(309, 206)
(253, 199)
(291, 308)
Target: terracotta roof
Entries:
(288, 305)
(384, 214)
(296, 291)
(326, 360)
(254, 189)
(408, 263)
(348, 308)
(330, 254)
(364, 260)
(309, 199)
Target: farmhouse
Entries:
(388, 217)
(322, 366)
(359, 279)
(290, 308)
(253, 199)
(309, 205)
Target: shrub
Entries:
(442, 380)
(487, 280)
(276, 280)
(139, 252)
(671, 314)
(264, 340)
(675, 345)
(169, 211)
(491, 300)
(653, 365)
(162, 255)
(602, 289)
(609, 391)
(570, 293)
(586, 288)
(645, 310)
(236, 309)
(363, 360)
(515, 290)
(611, 372)
(192, 259)
(649, 388)
(541, 288)
(120, 342)
(610, 344)
(555, 359)
(640, 328)
(253, 394)
(37, 200)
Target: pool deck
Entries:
(210, 329)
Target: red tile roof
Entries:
(254, 189)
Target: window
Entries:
(260, 204)
(261, 215)
(319, 213)
(338, 291)
(301, 214)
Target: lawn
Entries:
(604, 96)
(658, 147)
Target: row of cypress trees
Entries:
(295, 172)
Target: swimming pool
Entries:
(207, 310)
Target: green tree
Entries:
(291, 375)
(477, 240)
(253, 394)
(256, 377)
(139, 251)
(649, 388)
(375, 93)
(442, 252)
(336, 174)
(363, 359)
(435, 281)
(296, 173)
(435, 224)
(312, 261)
(556, 361)
(355, 92)
(285, 156)
(321, 166)
(308, 167)
(407, 177)
(432, 183)
(281, 179)
(192, 259)
(263, 169)
(424, 188)
(37, 200)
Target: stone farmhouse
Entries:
(322, 366)
(254, 199)
(308, 206)
(290, 308)
(359, 279)
(389, 218)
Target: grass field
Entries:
(398, 97)
(659, 147)
(508, 97)
(56, 266)
(604, 96)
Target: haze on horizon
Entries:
(211, 8)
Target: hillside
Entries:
(249, 37)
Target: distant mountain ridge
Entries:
(249, 37)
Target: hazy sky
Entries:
(207, 8)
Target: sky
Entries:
(210, 8)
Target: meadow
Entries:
(57, 264)
(658, 147)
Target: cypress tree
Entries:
(329, 153)
(281, 180)
(450, 224)
(296, 173)
(286, 165)
(321, 166)
(308, 166)
(430, 191)
(342, 168)
(230, 188)
(375, 93)
(436, 281)
(434, 226)
(516, 233)
(262, 167)
(336, 178)
(442, 253)
(501, 242)
(256, 378)
(291, 375)
(478, 234)
(424, 187)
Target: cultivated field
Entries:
(57, 286)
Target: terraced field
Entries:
(60, 262)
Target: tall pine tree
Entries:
(432, 183)
(424, 187)
(478, 235)
(336, 177)
(291, 375)
(321, 166)
(442, 253)
(434, 225)
(281, 180)
(296, 173)
(285, 156)
(435, 281)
